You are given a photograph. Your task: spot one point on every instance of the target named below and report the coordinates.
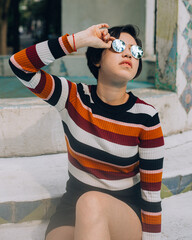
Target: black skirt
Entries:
(65, 211)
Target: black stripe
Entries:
(21, 74)
(57, 91)
(97, 153)
(154, 164)
(152, 121)
(84, 97)
(55, 48)
(151, 206)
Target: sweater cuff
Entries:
(151, 236)
(66, 46)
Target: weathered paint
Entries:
(166, 37)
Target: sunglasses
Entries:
(119, 46)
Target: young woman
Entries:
(114, 139)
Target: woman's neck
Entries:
(111, 94)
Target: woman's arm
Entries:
(27, 63)
(151, 153)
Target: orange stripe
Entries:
(86, 162)
(150, 219)
(22, 59)
(152, 178)
(48, 87)
(67, 44)
(102, 124)
(151, 134)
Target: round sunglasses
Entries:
(119, 46)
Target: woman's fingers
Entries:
(102, 25)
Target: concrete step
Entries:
(30, 187)
(176, 222)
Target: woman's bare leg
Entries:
(101, 216)
(61, 233)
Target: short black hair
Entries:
(94, 54)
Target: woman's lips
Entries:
(126, 63)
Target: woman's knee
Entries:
(60, 233)
(90, 206)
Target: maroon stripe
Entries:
(153, 228)
(141, 101)
(93, 129)
(101, 174)
(33, 57)
(150, 186)
(157, 142)
(39, 88)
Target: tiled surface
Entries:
(187, 68)
(188, 5)
(186, 96)
(18, 212)
(187, 34)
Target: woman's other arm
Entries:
(151, 153)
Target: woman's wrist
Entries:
(78, 41)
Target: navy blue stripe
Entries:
(151, 206)
(57, 92)
(152, 121)
(154, 164)
(55, 48)
(97, 153)
(21, 74)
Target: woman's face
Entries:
(118, 68)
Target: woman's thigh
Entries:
(123, 222)
(61, 233)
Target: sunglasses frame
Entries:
(123, 46)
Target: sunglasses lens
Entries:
(137, 51)
(118, 45)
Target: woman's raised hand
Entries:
(96, 36)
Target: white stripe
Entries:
(87, 92)
(143, 108)
(33, 82)
(151, 196)
(151, 213)
(151, 236)
(151, 171)
(64, 94)
(44, 52)
(151, 153)
(97, 142)
(113, 185)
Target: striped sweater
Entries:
(110, 147)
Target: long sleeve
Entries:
(151, 153)
(27, 65)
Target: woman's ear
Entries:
(97, 65)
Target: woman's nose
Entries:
(127, 52)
